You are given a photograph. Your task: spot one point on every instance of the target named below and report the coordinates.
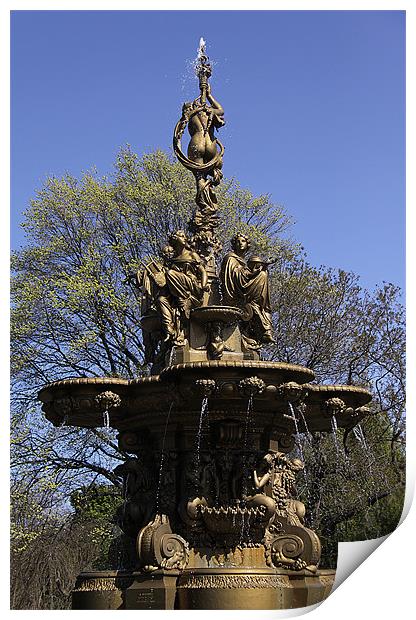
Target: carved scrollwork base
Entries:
(159, 547)
(291, 546)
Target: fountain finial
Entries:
(202, 117)
(203, 69)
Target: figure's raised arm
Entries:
(259, 483)
(217, 107)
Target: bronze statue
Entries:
(246, 284)
(203, 145)
(186, 277)
(209, 493)
(278, 472)
(204, 157)
(171, 288)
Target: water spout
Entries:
(106, 419)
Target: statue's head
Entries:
(167, 252)
(273, 456)
(178, 239)
(187, 107)
(240, 243)
(297, 464)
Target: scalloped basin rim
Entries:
(223, 314)
(354, 389)
(104, 381)
(178, 368)
(195, 366)
(260, 365)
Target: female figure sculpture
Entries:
(204, 159)
(246, 284)
(186, 278)
(172, 287)
(203, 145)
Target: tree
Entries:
(76, 315)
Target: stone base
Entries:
(101, 590)
(202, 589)
(252, 589)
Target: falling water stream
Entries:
(171, 356)
(359, 434)
(300, 448)
(249, 411)
(298, 441)
(202, 415)
(125, 494)
(334, 427)
(307, 431)
(162, 459)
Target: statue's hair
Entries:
(238, 235)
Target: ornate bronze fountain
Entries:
(208, 486)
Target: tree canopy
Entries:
(76, 314)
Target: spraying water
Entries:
(201, 49)
(64, 421)
(106, 419)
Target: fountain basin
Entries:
(146, 401)
(213, 314)
(231, 519)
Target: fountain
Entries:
(209, 485)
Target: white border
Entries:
(380, 587)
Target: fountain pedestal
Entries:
(210, 490)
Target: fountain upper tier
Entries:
(228, 385)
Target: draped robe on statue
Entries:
(182, 280)
(247, 289)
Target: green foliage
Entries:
(96, 506)
(95, 502)
(73, 312)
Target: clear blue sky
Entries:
(314, 103)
